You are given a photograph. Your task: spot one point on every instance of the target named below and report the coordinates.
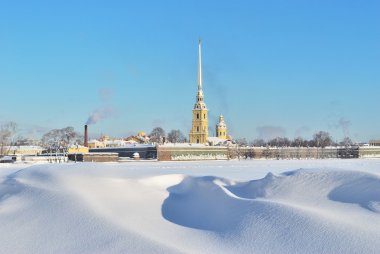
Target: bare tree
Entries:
(176, 136)
(346, 142)
(258, 143)
(157, 135)
(7, 137)
(322, 139)
(297, 142)
(279, 142)
(241, 142)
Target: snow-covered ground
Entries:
(259, 206)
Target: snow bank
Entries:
(194, 207)
(321, 211)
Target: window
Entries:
(198, 140)
(204, 116)
(197, 115)
(197, 128)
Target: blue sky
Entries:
(271, 67)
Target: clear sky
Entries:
(286, 67)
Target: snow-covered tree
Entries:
(60, 139)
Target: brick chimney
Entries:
(85, 136)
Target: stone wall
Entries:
(369, 152)
(165, 153)
(191, 153)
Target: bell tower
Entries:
(221, 128)
(199, 130)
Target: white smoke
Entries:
(100, 114)
(105, 95)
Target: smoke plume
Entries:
(344, 124)
(100, 114)
(105, 95)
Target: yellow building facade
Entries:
(221, 128)
(199, 129)
(77, 149)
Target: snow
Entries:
(258, 206)
(184, 145)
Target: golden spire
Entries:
(200, 65)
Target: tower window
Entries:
(198, 140)
(204, 116)
(197, 128)
(197, 115)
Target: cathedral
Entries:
(199, 129)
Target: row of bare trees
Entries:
(319, 139)
(158, 135)
(56, 140)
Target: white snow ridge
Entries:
(330, 206)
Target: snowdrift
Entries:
(173, 208)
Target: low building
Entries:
(145, 151)
(23, 150)
(77, 149)
(374, 142)
(94, 157)
(140, 138)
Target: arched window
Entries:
(197, 115)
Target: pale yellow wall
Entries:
(221, 132)
(95, 145)
(80, 149)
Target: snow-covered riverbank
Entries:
(259, 206)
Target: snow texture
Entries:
(259, 206)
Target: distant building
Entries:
(374, 142)
(77, 149)
(23, 150)
(106, 142)
(140, 138)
